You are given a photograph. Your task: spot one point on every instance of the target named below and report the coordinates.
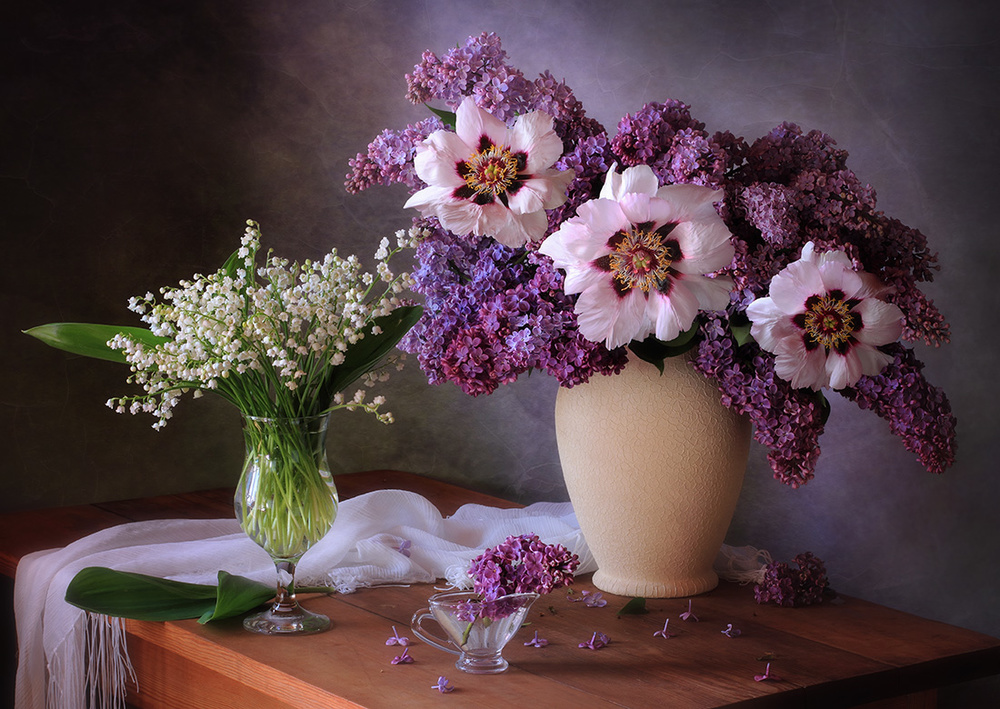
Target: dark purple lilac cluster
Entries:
(493, 313)
(522, 564)
(782, 585)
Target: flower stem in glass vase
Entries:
(286, 501)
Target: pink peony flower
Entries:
(638, 256)
(490, 180)
(824, 323)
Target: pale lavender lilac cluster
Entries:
(492, 313)
(802, 586)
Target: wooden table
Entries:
(834, 655)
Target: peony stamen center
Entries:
(641, 260)
(491, 171)
(828, 321)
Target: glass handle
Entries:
(416, 625)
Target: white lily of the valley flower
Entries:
(490, 180)
(823, 321)
(638, 256)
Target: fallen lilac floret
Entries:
(537, 641)
(404, 547)
(442, 685)
(397, 639)
(688, 614)
(663, 633)
(594, 600)
(596, 642)
(404, 658)
(767, 675)
(731, 632)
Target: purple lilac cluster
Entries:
(522, 564)
(493, 313)
(784, 586)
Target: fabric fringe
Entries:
(742, 564)
(109, 667)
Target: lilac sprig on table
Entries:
(784, 586)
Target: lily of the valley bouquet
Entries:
(552, 245)
(277, 340)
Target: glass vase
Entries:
(286, 501)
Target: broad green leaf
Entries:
(125, 594)
(447, 117)
(739, 325)
(364, 355)
(637, 606)
(91, 340)
(237, 595)
(138, 596)
(654, 351)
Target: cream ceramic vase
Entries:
(654, 466)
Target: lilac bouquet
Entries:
(551, 245)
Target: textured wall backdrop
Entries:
(134, 142)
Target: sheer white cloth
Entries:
(55, 639)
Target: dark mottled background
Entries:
(136, 137)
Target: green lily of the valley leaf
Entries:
(363, 355)
(125, 594)
(91, 340)
(636, 606)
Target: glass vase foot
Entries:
(292, 622)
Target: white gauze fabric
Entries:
(55, 667)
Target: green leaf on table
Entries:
(124, 594)
(91, 340)
(237, 595)
(636, 606)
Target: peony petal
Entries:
(711, 293)
(843, 370)
(881, 322)
(635, 206)
(707, 246)
(437, 156)
(604, 316)
(690, 201)
(872, 360)
(639, 179)
(472, 123)
(581, 278)
(838, 277)
(769, 324)
(541, 193)
(673, 314)
(604, 216)
(532, 134)
(799, 366)
(427, 199)
(797, 282)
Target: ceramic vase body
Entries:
(654, 466)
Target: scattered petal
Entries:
(664, 633)
(731, 632)
(404, 658)
(596, 642)
(767, 675)
(404, 547)
(688, 614)
(397, 639)
(537, 641)
(594, 600)
(442, 685)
